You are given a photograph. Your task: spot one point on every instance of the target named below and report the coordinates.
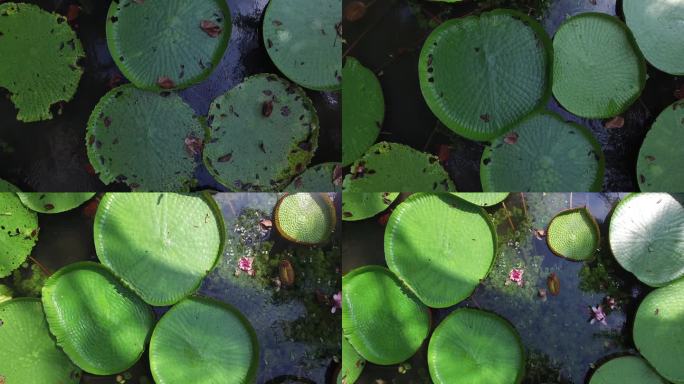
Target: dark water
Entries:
(389, 38)
(562, 346)
(51, 155)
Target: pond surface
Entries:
(562, 345)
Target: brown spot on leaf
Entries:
(166, 83)
(267, 108)
(511, 138)
(107, 121)
(49, 207)
(485, 117)
(225, 158)
(210, 28)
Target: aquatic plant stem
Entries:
(508, 215)
(40, 265)
(570, 200)
(524, 205)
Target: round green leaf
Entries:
(100, 324)
(29, 353)
(657, 27)
(363, 110)
(161, 245)
(352, 364)
(440, 246)
(40, 55)
(646, 237)
(18, 233)
(397, 167)
(359, 206)
(598, 71)
(324, 177)
(263, 133)
(659, 330)
(574, 234)
(381, 319)
(305, 218)
(6, 186)
(204, 341)
(483, 199)
(147, 140)
(303, 38)
(626, 370)
(53, 202)
(543, 154)
(481, 74)
(474, 346)
(660, 159)
(165, 44)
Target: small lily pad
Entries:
(175, 238)
(326, 177)
(352, 364)
(53, 202)
(263, 133)
(659, 167)
(543, 154)
(475, 346)
(167, 44)
(483, 199)
(598, 71)
(574, 234)
(304, 40)
(40, 55)
(626, 370)
(305, 218)
(383, 320)
(100, 324)
(440, 246)
(203, 341)
(359, 205)
(18, 233)
(144, 139)
(397, 167)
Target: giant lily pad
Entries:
(305, 218)
(574, 234)
(626, 370)
(598, 71)
(397, 167)
(203, 341)
(381, 318)
(440, 246)
(483, 199)
(481, 74)
(659, 330)
(543, 154)
(363, 110)
(352, 364)
(359, 205)
(53, 202)
(659, 167)
(647, 237)
(147, 140)
(303, 38)
(474, 346)
(175, 238)
(18, 233)
(165, 44)
(40, 55)
(657, 27)
(101, 325)
(29, 353)
(263, 133)
(326, 177)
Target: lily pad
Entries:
(175, 238)
(574, 234)
(167, 44)
(144, 139)
(646, 232)
(40, 55)
(397, 167)
(474, 346)
(482, 74)
(598, 71)
(656, 25)
(263, 133)
(203, 341)
(626, 370)
(373, 293)
(483, 199)
(543, 154)
(352, 364)
(440, 246)
(359, 206)
(326, 177)
(18, 233)
(53, 202)
(659, 167)
(6, 186)
(363, 110)
(659, 331)
(303, 38)
(305, 218)
(100, 324)
(29, 353)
